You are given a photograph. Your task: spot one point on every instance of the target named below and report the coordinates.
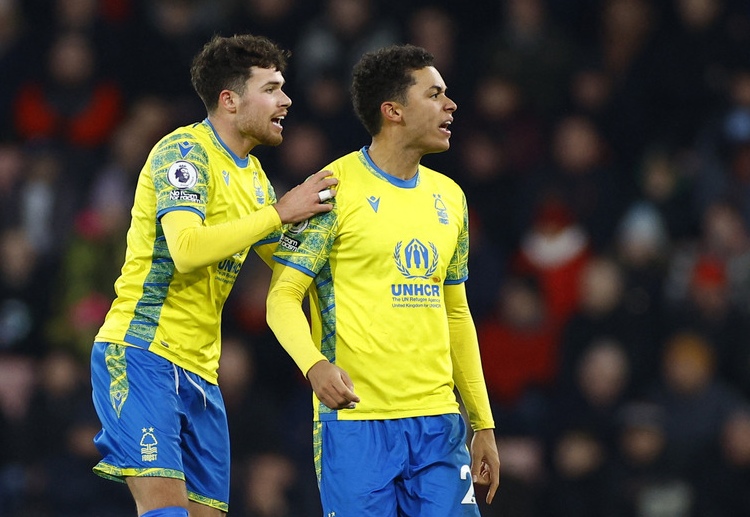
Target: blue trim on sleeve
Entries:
(262, 242)
(456, 281)
(161, 213)
(295, 266)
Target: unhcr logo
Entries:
(415, 260)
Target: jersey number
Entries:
(469, 497)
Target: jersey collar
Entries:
(239, 162)
(398, 182)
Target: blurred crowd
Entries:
(604, 147)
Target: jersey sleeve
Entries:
(306, 246)
(458, 268)
(466, 359)
(180, 183)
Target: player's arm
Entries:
(468, 376)
(467, 364)
(285, 316)
(194, 245)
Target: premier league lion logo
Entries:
(182, 174)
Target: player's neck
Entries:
(236, 143)
(393, 158)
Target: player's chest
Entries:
(235, 192)
(390, 221)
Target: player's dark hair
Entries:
(224, 64)
(384, 75)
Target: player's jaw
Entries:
(266, 130)
(436, 137)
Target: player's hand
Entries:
(308, 198)
(332, 385)
(485, 461)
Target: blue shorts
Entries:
(159, 420)
(395, 468)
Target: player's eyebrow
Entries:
(273, 83)
(436, 88)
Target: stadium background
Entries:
(604, 146)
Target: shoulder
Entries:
(443, 182)
(186, 140)
(346, 163)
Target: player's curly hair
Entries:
(224, 64)
(384, 75)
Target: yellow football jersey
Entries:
(380, 260)
(178, 315)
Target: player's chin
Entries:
(438, 147)
(273, 140)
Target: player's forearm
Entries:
(286, 318)
(193, 245)
(467, 363)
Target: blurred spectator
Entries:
(305, 151)
(60, 396)
(602, 314)
(696, 401)
(554, 251)
(61, 484)
(252, 412)
(160, 52)
(578, 476)
(48, 199)
(723, 238)
(91, 264)
(518, 343)
(24, 301)
(17, 377)
(524, 479)
(70, 103)
(12, 166)
(643, 483)
(691, 60)
(602, 379)
(526, 44)
(708, 311)
(499, 142)
(583, 173)
(332, 41)
(270, 489)
(324, 101)
(723, 481)
(13, 59)
(621, 54)
(722, 149)
(278, 20)
(641, 248)
(487, 268)
(327, 46)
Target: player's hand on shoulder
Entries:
(332, 385)
(308, 198)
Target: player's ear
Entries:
(391, 111)
(227, 100)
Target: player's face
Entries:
(428, 112)
(262, 107)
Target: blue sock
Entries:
(169, 511)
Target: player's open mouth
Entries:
(277, 121)
(445, 127)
